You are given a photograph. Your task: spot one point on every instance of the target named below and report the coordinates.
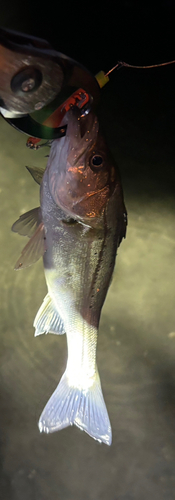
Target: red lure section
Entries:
(79, 98)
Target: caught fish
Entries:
(77, 228)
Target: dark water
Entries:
(136, 347)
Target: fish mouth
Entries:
(74, 186)
(82, 130)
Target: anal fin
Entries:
(47, 319)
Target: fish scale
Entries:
(80, 225)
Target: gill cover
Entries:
(81, 173)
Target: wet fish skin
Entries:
(84, 219)
(78, 267)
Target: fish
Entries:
(77, 229)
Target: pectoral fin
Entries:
(47, 319)
(34, 249)
(27, 223)
(37, 173)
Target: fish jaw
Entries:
(77, 187)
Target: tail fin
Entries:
(85, 408)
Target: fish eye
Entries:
(96, 162)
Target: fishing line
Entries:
(121, 64)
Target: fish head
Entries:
(82, 175)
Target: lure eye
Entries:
(96, 163)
